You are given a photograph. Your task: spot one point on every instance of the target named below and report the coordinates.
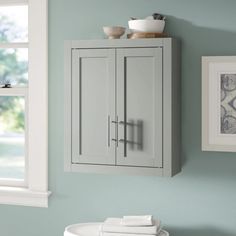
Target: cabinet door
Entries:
(139, 107)
(93, 106)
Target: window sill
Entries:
(23, 197)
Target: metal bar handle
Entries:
(116, 132)
(125, 141)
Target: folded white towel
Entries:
(114, 225)
(113, 221)
(144, 220)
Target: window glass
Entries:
(12, 137)
(14, 66)
(14, 24)
(13, 72)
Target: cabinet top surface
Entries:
(109, 43)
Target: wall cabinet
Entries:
(122, 106)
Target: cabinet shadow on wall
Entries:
(196, 41)
(201, 231)
(135, 134)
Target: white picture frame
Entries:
(219, 103)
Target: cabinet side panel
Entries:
(67, 106)
(176, 107)
(171, 108)
(167, 105)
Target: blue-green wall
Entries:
(200, 201)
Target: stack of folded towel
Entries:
(131, 226)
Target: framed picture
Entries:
(219, 103)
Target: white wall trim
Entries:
(23, 197)
(38, 96)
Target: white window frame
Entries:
(35, 192)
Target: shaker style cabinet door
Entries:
(93, 106)
(139, 107)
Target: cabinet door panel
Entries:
(139, 106)
(93, 106)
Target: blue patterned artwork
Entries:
(228, 103)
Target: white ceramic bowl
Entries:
(147, 26)
(114, 32)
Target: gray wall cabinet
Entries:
(122, 106)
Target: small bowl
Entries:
(147, 26)
(114, 32)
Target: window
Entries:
(23, 102)
(13, 94)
